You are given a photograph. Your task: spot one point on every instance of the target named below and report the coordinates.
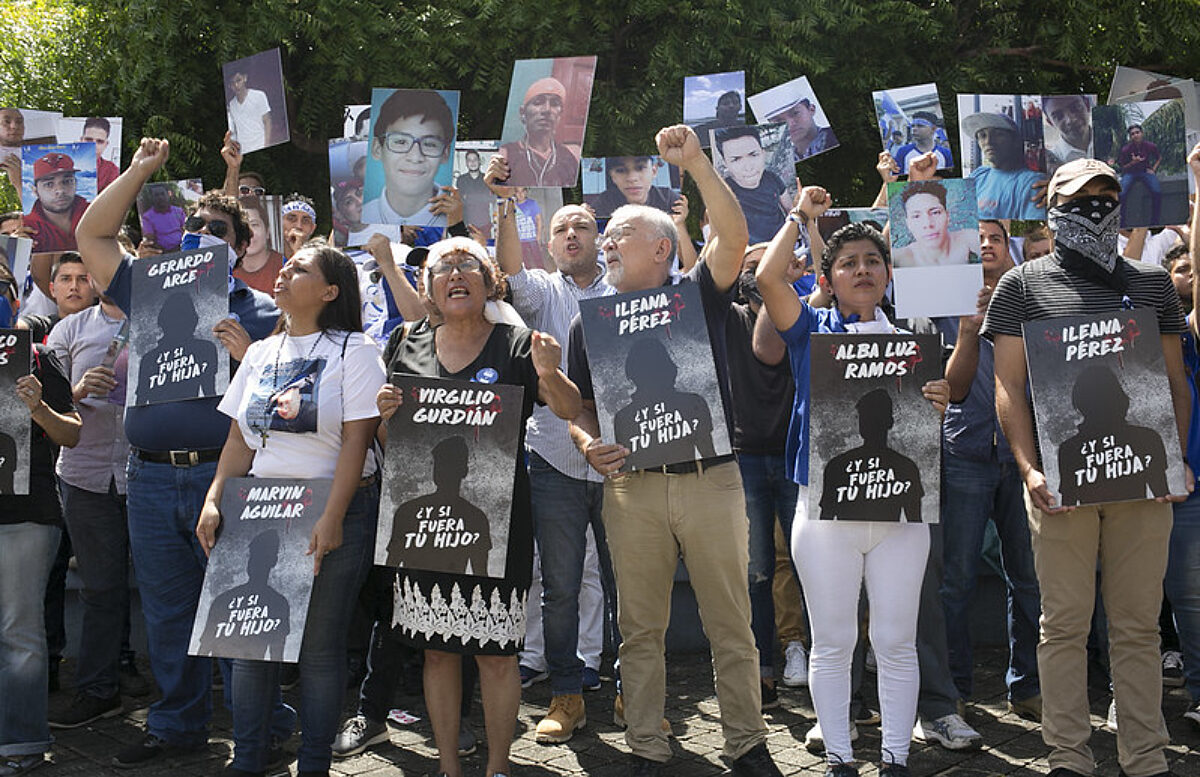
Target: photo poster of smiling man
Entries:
(1102, 404)
(410, 156)
(613, 181)
(758, 163)
(14, 415)
(545, 120)
(874, 440)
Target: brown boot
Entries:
(566, 716)
(619, 717)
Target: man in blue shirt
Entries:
(1004, 187)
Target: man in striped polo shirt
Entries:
(1085, 275)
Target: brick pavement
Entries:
(1012, 746)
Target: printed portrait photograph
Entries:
(610, 182)
(254, 101)
(1144, 143)
(105, 132)
(758, 164)
(411, 155)
(713, 101)
(25, 125)
(1002, 143)
(14, 254)
(471, 158)
(57, 183)
(163, 207)
(795, 104)
(911, 125)
(1067, 128)
(545, 120)
(347, 168)
(356, 121)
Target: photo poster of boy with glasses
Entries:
(411, 156)
(162, 209)
(58, 181)
(14, 415)
(177, 300)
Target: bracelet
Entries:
(801, 222)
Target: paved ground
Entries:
(1013, 746)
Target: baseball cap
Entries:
(52, 163)
(977, 121)
(1071, 177)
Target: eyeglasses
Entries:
(444, 267)
(257, 191)
(216, 228)
(430, 146)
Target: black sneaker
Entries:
(12, 765)
(82, 709)
(839, 769)
(756, 762)
(770, 697)
(133, 682)
(357, 734)
(889, 769)
(643, 767)
(150, 748)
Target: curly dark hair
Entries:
(221, 202)
(849, 234)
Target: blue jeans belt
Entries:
(184, 458)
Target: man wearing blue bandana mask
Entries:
(173, 457)
(1085, 275)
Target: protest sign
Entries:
(1102, 402)
(162, 209)
(14, 415)
(832, 220)
(545, 120)
(1002, 140)
(259, 578)
(936, 262)
(1145, 144)
(758, 163)
(446, 502)
(177, 299)
(795, 104)
(1067, 128)
(911, 125)
(873, 438)
(15, 252)
(105, 132)
(610, 182)
(471, 158)
(58, 180)
(653, 376)
(254, 101)
(713, 101)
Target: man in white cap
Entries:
(1085, 275)
(538, 159)
(1004, 187)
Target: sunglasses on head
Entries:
(257, 191)
(216, 228)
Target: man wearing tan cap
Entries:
(538, 159)
(1085, 275)
(1004, 186)
(58, 208)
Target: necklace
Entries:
(263, 431)
(547, 165)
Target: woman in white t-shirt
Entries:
(303, 406)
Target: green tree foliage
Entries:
(157, 62)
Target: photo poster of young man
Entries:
(714, 101)
(874, 440)
(653, 376)
(1102, 404)
(936, 262)
(259, 579)
(58, 181)
(254, 101)
(610, 182)
(1145, 143)
(177, 299)
(446, 500)
(911, 125)
(545, 120)
(15, 421)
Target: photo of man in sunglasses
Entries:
(412, 138)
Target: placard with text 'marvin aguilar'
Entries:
(873, 437)
(653, 376)
(177, 300)
(1102, 402)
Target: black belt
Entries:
(183, 458)
(688, 467)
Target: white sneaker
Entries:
(949, 731)
(1172, 668)
(795, 671)
(1110, 722)
(814, 742)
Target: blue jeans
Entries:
(938, 694)
(563, 507)
(974, 492)
(99, 528)
(1182, 585)
(770, 494)
(26, 553)
(1153, 188)
(163, 503)
(322, 653)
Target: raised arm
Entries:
(769, 347)
(508, 242)
(679, 146)
(687, 249)
(554, 388)
(96, 234)
(774, 273)
(231, 152)
(964, 361)
(407, 300)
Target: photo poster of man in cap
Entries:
(177, 300)
(545, 120)
(57, 182)
(15, 347)
(654, 377)
(1003, 151)
(254, 603)
(1145, 144)
(1102, 405)
(874, 440)
(446, 500)
(795, 104)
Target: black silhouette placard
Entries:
(1105, 422)
(653, 376)
(259, 580)
(14, 415)
(177, 299)
(446, 501)
(873, 437)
